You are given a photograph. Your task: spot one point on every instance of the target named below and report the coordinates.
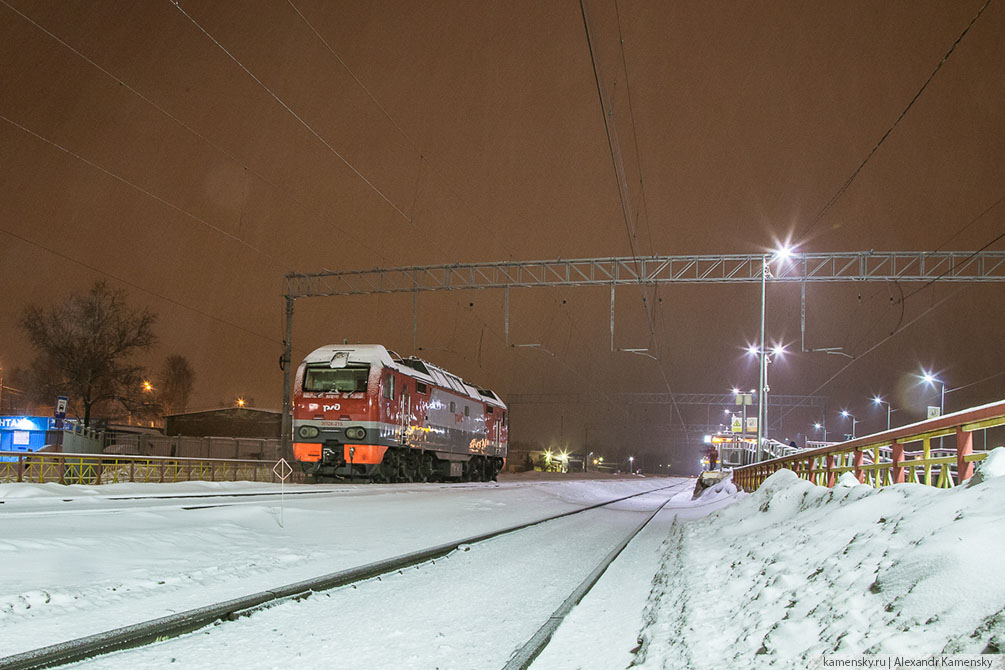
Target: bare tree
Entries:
(83, 347)
(176, 381)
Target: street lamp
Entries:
(781, 253)
(821, 426)
(845, 413)
(889, 409)
(762, 399)
(929, 378)
(631, 464)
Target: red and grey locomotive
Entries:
(363, 411)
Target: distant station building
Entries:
(226, 422)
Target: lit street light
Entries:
(845, 413)
(762, 401)
(780, 254)
(929, 378)
(889, 409)
(821, 426)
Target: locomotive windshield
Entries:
(323, 379)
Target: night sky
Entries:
(193, 153)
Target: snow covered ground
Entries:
(79, 560)
(783, 577)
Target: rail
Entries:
(65, 468)
(883, 458)
(163, 628)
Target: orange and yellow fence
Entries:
(937, 452)
(41, 467)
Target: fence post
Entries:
(897, 456)
(964, 447)
(926, 453)
(859, 457)
(97, 471)
(20, 469)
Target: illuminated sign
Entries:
(24, 423)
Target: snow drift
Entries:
(795, 570)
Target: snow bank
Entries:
(795, 570)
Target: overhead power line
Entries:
(138, 287)
(848, 182)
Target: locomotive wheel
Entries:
(429, 465)
(391, 466)
(407, 473)
(478, 471)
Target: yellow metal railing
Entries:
(42, 467)
(882, 459)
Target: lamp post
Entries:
(762, 403)
(845, 413)
(631, 464)
(762, 398)
(762, 365)
(822, 426)
(929, 378)
(889, 409)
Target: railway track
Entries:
(177, 624)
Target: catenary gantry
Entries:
(848, 266)
(864, 266)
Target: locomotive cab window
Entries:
(389, 387)
(324, 379)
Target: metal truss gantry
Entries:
(850, 266)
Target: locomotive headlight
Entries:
(309, 431)
(355, 433)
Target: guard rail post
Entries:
(897, 456)
(964, 447)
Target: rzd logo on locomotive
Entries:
(331, 408)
